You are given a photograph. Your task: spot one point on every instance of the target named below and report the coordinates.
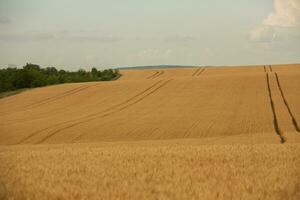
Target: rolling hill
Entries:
(166, 133)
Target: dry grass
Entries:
(197, 133)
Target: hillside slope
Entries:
(160, 104)
(192, 133)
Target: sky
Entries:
(74, 34)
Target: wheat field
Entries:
(182, 133)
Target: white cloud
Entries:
(263, 34)
(286, 14)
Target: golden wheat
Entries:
(178, 103)
(151, 171)
(191, 133)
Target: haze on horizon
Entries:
(73, 34)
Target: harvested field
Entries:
(186, 133)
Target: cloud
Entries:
(286, 14)
(263, 34)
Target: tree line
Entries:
(32, 75)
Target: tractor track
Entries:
(16, 120)
(127, 100)
(32, 135)
(54, 98)
(104, 114)
(61, 123)
(122, 108)
(65, 95)
(270, 67)
(156, 74)
(159, 74)
(91, 115)
(286, 104)
(201, 71)
(275, 120)
(196, 71)
(153, 75)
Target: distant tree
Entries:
(53, 79)
(32, 67)
(62, 71)
(32, 75)
(81, 72)
(51, 71)
(94, 72)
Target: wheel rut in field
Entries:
(159, 74)
(275, 119)
(111, 110)
(151, 76)
(270, 67)
(49, 98)
(123, 107)
(201, 71)
(64, 95)
(156, 74)
(286, 104)
(90, 115)
(196, 71)
(116, 105)
(56, 97)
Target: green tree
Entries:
(94, 72)
(32, 75)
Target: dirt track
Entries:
(251, 112)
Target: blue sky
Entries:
(105, 33)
